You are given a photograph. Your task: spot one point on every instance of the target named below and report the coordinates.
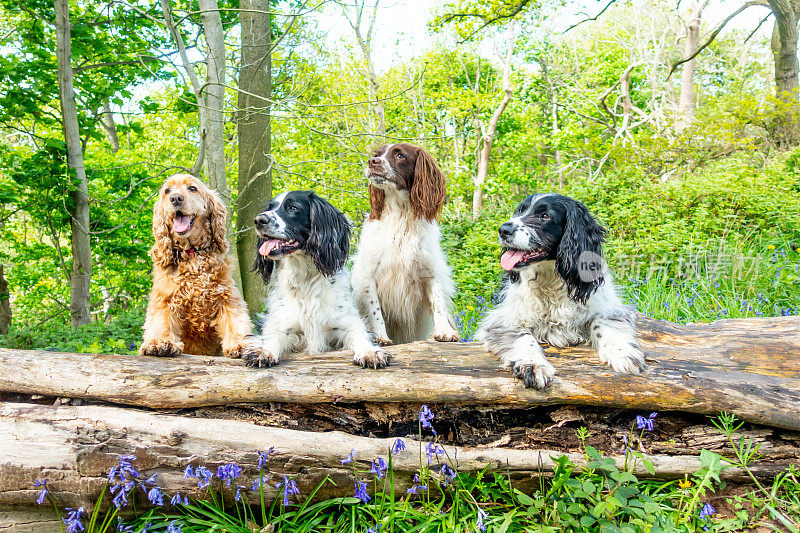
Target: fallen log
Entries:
(74, 447)
(750, 367)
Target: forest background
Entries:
(676, 123)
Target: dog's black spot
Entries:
(598, 335)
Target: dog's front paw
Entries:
(534, 376)
(236, 351)
(258, 358)
(372, 359)
(624, 358)
(161, 348)
(383, 341)
(448, 335)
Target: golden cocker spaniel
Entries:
(194, 306)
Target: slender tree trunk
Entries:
(784, 49)
(253, 122)
(110, 128)
(490, 130)
(215, 118)
(79, 220)
(686, 100)
(5, 304)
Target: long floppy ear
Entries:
(216, 216)
(263, 265)
(162, 251)
(329, 241)
(376, 199)
(428, 190)
(579, 258)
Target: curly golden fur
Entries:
(194, 305)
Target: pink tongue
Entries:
(268, 246)
(181, 223)
(511, 258)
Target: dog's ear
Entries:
(579, 258)
(162, 252)
(263, 265)
(428, 189)
(376, 199)
(216, 216)
(329, 241)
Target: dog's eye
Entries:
(293, 208)
(192, 188)
(166, 191)
(399, 156)
(544, 216)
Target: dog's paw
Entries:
(372, 359)
(161, 349)
(534, 376)
(383, 341)
(624, 358)
(448, 335)
(257, 358)
(236, 351)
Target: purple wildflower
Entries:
(44, 492)
(378, 467)
(646, 423)
(263, 457)
(155, 496)
(706, 511)
(204, 476)
(188, 472)
(361, 491)
(481, 517)
(174, 528)
(432, 450)
(289, 488)
(122, 527)
(398, 446)
(375, 529)
(417, 487)
(73, 520)
(448, 473)
(228, 473)
(350, 458)
(178, 500)
(425, 417)
(238, 495)
(257, 483)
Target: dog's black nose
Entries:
(262, 220)
(176, 199)
(506, 230)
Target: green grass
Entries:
(601, 497)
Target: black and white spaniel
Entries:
(558, 291)
(401, 281)
(303, 242)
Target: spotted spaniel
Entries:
(401, 281)
(303, 242)
(558, 291)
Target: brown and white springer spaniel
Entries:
(401, 281)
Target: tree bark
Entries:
(5, 304)
(784, 49)
(490, 130)
(255, 140)
(110, 128)
(81, 275)
(686, 100)
(74, 447)
(750, 367)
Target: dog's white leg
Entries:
(275, 340)
(443, 327)
(614, 339)
(519, 350)
(354, 337)
(366, 299)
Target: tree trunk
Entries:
(215, 119)
(253, 130)
(784, 49)
(686, 100)
(490, 130)
(110, 128)
(79, 221)
(5, 304)
(376, 112)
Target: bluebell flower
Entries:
(43, 493)
(179, 500)
(151, 480)
(398, 446)
(375, 529)
(481, 517)
(155, 496)
(361, 491)
(204, 476)
(350, 458)
(289, 488)
(378, 467)
(131, 345)
(257, 483)
(448, 474)
(73, 520)
(263, 457)
(120, 493)
(125, 468)
(238, 495)
(706, 511)
(425, 417)
(432, 450)
(145, 527)
(122, 527)
(646, 423)
(188, 472)
(417, 487)
(174, 527)
(228, 473)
